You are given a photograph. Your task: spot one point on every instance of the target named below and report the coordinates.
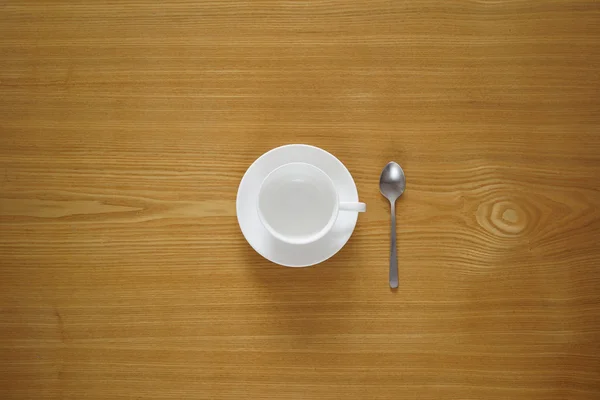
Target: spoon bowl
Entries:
(392, 182)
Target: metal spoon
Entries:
(392, 184)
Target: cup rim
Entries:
(312, 238)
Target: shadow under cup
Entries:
(298, 203)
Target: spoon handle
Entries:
(393, 253)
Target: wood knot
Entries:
(507, 217)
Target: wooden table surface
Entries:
(126, 126)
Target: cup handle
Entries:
(353, 206)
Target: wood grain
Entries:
(126, 126)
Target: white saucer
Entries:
(256, 234)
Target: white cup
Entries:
(298, 203)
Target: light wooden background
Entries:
(126, 127)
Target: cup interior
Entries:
(298, 203)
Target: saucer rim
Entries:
(350, 231)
